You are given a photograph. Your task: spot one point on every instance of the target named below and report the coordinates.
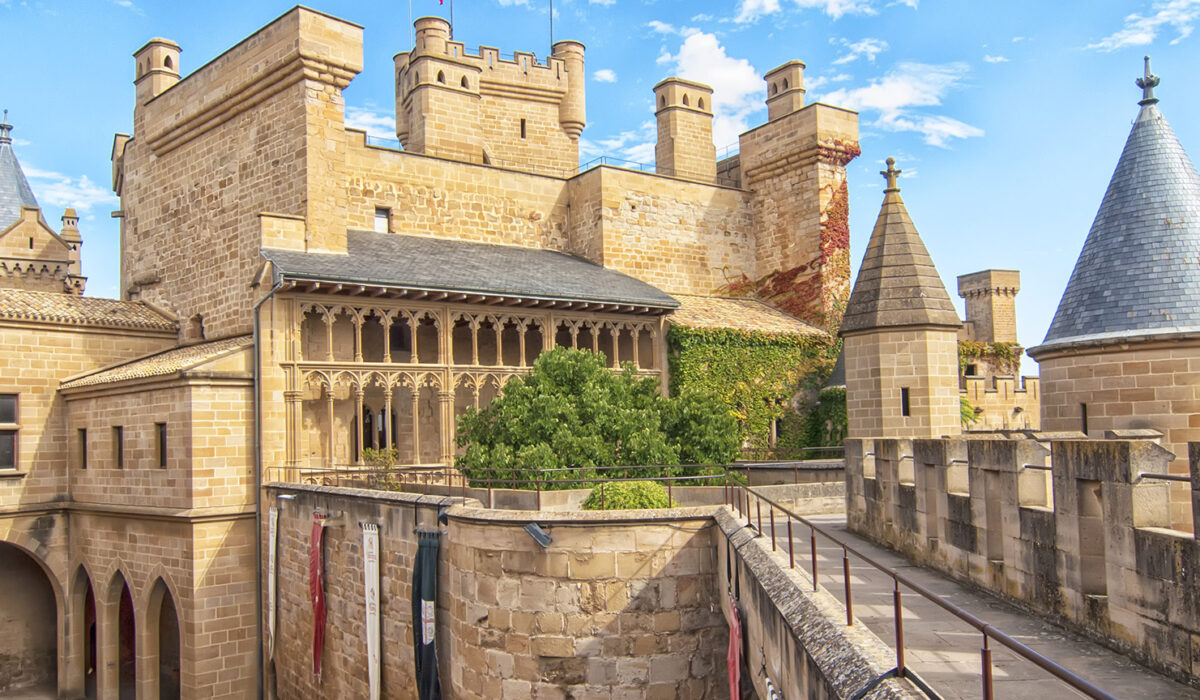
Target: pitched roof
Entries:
(161, 364)
(434, 264)
(740, 314)
(1137, 274)
(897, 283)
(55, 307)
(14, 188)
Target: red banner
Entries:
(316, 590)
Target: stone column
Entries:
(416, 422)
(358, 425)
(294, 403)
(329, 441)
(388, 439)
(387, 335)
(446, 401)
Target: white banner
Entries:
(272, 536)
(371, 590)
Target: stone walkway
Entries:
(945, 651)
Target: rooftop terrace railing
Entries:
(748, 504)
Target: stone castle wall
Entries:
(1002, 403)
(1070, 528)
(882, 364)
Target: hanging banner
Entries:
(371, 592)
(272, 537)
(316, 590)
(424, 618)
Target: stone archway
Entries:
(162, 620)
(82, 601)
(29, 620)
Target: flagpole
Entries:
(451, 20)
(412, 31)
(551, 26)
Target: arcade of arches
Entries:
(400, 375)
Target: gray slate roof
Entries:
(897, 284)
(389, 259)
(14, 188)
(1138, 273)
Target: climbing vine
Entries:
(757, 375)
(1004, 358)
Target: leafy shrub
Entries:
(627, 495)
(574, 413)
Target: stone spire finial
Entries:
(5, 129)
(1147, 83)
(892, 173)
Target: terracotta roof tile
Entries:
(740, 314)
(161, 364)
(23, 305)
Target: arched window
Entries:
(785, 84)
(168, 63)
(662, 101)
(685, 100)
(465, 84)
(774, 88)
(700, 103)
(441, 77)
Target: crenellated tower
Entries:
(518, 113)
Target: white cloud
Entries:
(377, 124)
(995, 59)
(661, 27)
(604, 75)
(820, 80)
(738, 89)
(908, 3)
(702, 18)
(751, 10)
(1018, 39)
(894, 97)
(510, 3)
(870, 48)
(606, 3)
(58, 190)
(838, 8)
(128, 5)
(635, 145)
(1140, 30)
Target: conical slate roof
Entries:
(897, 283)
(14, 188)
(1138, 273)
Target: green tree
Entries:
(573, 413)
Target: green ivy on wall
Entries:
(758, 375)
(1004, 357)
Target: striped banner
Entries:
(371, 593)
(272, 546)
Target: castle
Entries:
(293, 295)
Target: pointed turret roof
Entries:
(1137, 274)
(14, 188)
(897, 283)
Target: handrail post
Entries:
(749, 516)
(771, 508)
(670, 499)
(758, 503)
(812, 543)
(791, 548)
(986, 659)
(899, 615)
(846, 579)
(538, 485)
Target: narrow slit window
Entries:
(8, 431)
(904, 401)
(1083, 426)
(83, 448)
(522, 128)
(160, 444)
(118, 446)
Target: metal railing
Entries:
(774, 454)
(739, 498)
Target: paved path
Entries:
(945, 651)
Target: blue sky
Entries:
(1007, 117)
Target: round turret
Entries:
(432, 35)
(572, 111)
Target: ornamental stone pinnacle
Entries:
(892, 174)
(5, 129)
(1147, 83)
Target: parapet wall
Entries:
(1074, 529)
(1001, 403)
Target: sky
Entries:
(1007, 118)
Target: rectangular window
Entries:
(118, 445)
(8, 431)
(160, 444)
(381, 219)
(1083, 418)
(904, 401)
(83, 448)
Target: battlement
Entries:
(1001, 402)
(474, 107)
(1080, 530)
(990, 305)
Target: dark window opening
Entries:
(522, 128)
(83, 451)
(8, 408)
(1083, 418)
(160, 444)
(118, 445)
(971, 371)
(904, 401)
(8, 449)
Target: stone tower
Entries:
(685, 147)
(991, 305)
(157, 66)
(485, 109)
(1123, 349)
(900, 335)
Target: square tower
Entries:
(685, 141)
